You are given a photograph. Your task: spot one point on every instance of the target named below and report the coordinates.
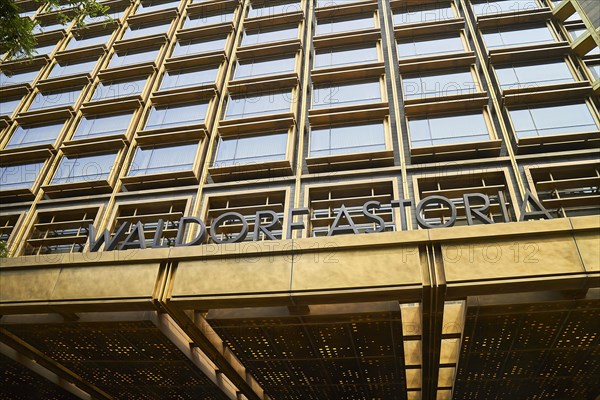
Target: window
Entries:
(67, 68)
(149, 214)
(151, 28)
(271, 9)
(188, 77)
(42, 49)
(84, 168)
(423, 13)
(269, 34)
(118, 89)
(594, 70)
(6, 78)
(176, 115)
(430, 45)
(65, 231)
(325, 204)
(438, 85)
(575, 32)
(151, 6)
(568, 190)
(102, 125)
(258, 104)
(204, 19)
(35, 135)
(86, 41)
(131, 57)
(356, 138)
(507, 37)
(157, 160)
(37, 29)
(533, 75)
(503, 6)
(116, 15)
(19, 176)
(455, 186)
(346, 55)
(246, 204)
(7, 225)
(196, 46)
(8, 106)
(435, 131)
(264, 66)
(345, 94)
(328, 26)
(553, 120)
(251, 149)
(55, 99)
(334, 3)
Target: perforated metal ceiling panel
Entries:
(534, 351)
(128, 360)
(20, 383)
(358, 356)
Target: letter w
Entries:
(110, 244)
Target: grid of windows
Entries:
(238, 87)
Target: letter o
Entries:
(230, 216)
(436, 199)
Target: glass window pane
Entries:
(347, 139)
(345, 56)
(72, 68)
(151, 6)
(8, 106)
(186, 47)
(262, 66)
(205, 19)
(101, 125)
(329, 26)
(84, 168)
(6, 78)
(269, 34)
(118, 89)
(553, 120)
(435, 131)
(423, 13)
(426, 86)
(522, 76)
(153, 28)
(54, 99)
(133, 57)
(85, 41)
(176, 115)
(346, 94)
(506, 37)
(185, 78)
(258, 104)
(156, 160)
(503, 6)
(35, 135)
(270, 9)
(430, 45)
(21, 176)
(251, 149)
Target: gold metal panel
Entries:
(588, 244)
(105, 282)
(242, 274)
(511, 257)
(27, 285)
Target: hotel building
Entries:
(328, 199)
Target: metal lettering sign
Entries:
(476, 208)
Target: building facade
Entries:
(327, 199)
